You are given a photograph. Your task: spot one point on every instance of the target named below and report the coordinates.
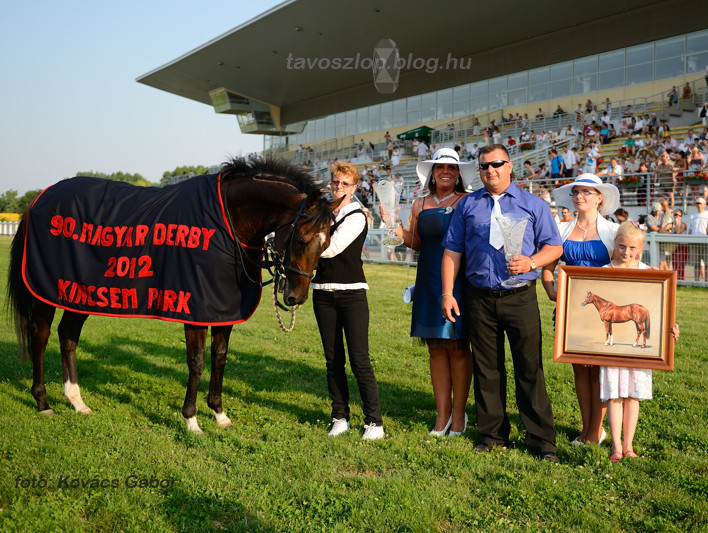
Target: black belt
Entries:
(500, 293)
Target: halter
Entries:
(274, 262)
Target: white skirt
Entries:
(619, 382)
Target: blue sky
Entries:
(69, 101)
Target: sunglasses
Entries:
(495, 164)
(344, 185)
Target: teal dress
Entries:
(427, 321)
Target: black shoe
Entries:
(482, 447)
(550, 457)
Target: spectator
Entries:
(697, 225)
(672, 97)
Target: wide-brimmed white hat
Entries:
(444, 155)
(610, 193)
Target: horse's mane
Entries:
(273, 167)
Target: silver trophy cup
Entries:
(389, 193)
(512, 228)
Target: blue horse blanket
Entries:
(103, 247)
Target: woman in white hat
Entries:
(588, 240)
(443, 180)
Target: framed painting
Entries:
(615, 317)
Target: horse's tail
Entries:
(20, 301)
(647, 323)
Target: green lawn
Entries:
(276, 469)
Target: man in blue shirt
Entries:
(557, 167)
(493, 311)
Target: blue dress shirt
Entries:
(468, 234)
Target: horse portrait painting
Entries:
(190, 253)
(611, 313)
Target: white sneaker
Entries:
(339, 426)
(373, 432)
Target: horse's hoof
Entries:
(193, 426)
(222, 420)
(86, 411)
(47, 412)
(607, 343)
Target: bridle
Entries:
(276, 263)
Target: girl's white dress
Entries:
(619, 382)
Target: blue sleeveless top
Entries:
(585, 253)
(427, 321)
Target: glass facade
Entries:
(684, 55)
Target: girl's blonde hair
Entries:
(630, 230)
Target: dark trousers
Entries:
(516, 315)
(341, 314)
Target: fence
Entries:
(686, 254)
(9, 228)
(681, 188)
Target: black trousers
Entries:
(341, 314)
(516, 315)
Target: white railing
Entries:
(9, 228)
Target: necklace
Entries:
(584, 230)
(441, 200)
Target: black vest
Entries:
(346, 267)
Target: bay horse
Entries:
(256, 199)
(611, 313)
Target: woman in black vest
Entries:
(342, 310)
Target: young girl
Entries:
(624, 388)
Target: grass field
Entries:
(131, 466)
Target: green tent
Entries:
(422, 132)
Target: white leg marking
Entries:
(221, 419)
(193, 426)
(72, 392)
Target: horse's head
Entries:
(300, 244)
(587, 300)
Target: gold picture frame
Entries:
(631, 301)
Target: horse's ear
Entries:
(335, 204)
(312, 200)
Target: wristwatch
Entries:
(533, 263)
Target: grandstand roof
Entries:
(251, 60)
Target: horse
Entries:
(258, 199)
(611, 313)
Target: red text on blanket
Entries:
(159, 235)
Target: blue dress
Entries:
(585, 253)
(427, 321)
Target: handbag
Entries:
(408, 293)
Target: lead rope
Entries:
(292, 311)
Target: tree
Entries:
(11, 203)
(7, 201)
(134, 179)
(181, 171)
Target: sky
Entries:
(69, 101)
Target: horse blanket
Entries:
(103, 247)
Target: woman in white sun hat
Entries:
(588, 240)
(443, 182)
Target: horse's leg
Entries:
(69, 332)
(196, 340)
(40, 328)
(608, 333)
(219, 347)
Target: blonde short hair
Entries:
(348, 169)
(628, 229)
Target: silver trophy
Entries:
(513, 227)
(389, 193)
